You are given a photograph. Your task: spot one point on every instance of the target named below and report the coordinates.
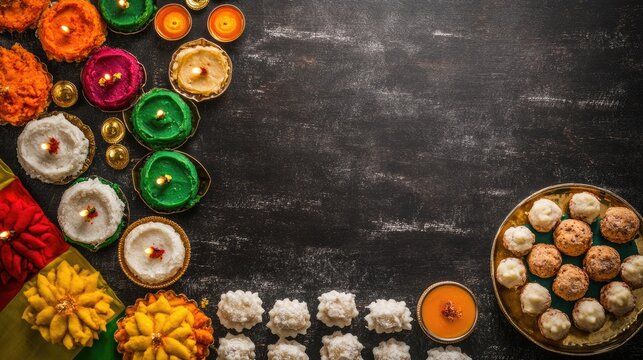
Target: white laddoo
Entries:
(446, 353)
(617, 298)
(511, 273)
(518, 240)
(236, 347)
(287, 350)
(544, 215)
(554, 324)
(584, 206)
(392, 350)
(289, 318)
(588, 314)
(340, 346)
(388, 316)
(632, 271)
(240, 310)
(337, 309)
(534, 299)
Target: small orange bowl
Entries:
(226, 23)
(172, 22)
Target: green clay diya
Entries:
(127, 16)
(169, 181)
(161, 119)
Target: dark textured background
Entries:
(375, 146)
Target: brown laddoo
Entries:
(571, 282)
(544, 260)
(602, 263)
(573, 237)
(619, 225)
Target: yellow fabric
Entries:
(6, 176)
(18, 341)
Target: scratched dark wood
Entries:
(375, 146)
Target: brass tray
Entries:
(121, 252)
(615, 332)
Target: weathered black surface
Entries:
(375, 146)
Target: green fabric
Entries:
(119, 230)
(594, 290)
(181, 192)
(20, 342)
(135, 17)
(105, 347)
(166, 132)
(6, 175)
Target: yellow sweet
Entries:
(67, 307)
(163, 328)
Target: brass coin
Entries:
(64, 93)
(117, 156)
(113, 130)
(197, 4)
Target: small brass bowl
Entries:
(433, 336)
(174, 278)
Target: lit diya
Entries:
(161, 119)
(24, 85)
(169, 181)
(447, 312)
(56, 148)
(200, 70)
(154, 252)
(226, 23)
(112, 79)
(173, 22)
(92, 213)
(18, 15)
(70, 29)
(127, 16)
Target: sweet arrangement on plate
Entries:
(568, 269)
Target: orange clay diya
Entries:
(447, 312)
(24, 86)
(226, 23)
(172, 22)
(18, 15)
(70, 30)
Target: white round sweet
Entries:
(392, 350)
(160, 236)
(617, 298)
(544, 215)
(632, 271)
(287, 350)
(554, 324)
(73, 148)
(340, 346)
(518, 240)
(448, 353)
(288, 318)
(240, 310)
(388, 316)
(511, 273)
(91, 193)
(337, 309)
(588, 314)
(235, 347)
(584, 206)
(534, 299)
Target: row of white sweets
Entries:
(241, 310)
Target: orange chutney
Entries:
(173, 22)
(226, 23)
(448, 311)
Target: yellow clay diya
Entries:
(172, 22)
(226, 23)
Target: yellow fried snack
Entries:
(162, 327)
(67, 307)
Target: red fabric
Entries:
(34, 241)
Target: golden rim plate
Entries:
(196, 119)
(615, 332)
(131, 275)
(204, 181)
(188, 95)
